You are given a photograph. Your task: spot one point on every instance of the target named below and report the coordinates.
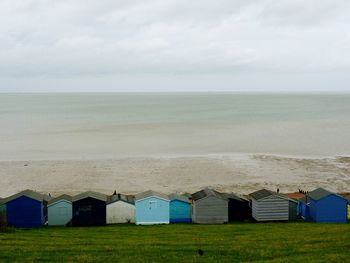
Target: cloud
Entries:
(89, 38)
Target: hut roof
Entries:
(320, 193)
(211, 192)
(204, 193)
(260, 194)
(295, 195)
(263, 193)
(150, 193)
(59, 198)
(28, 193)
(121, 197)
(91, 194)
(182, 198)
(232, 196)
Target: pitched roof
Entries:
(232, 196)
(121, 197)
(59, 198)
(150, 193)
(211, 192)
(260, 194)
(204, 193)
(28, 193)
(320, 193)
(182, 198)
(91, 194)
(263, 193)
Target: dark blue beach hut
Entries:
(323, 206)
(26, 209)
(89, 209)
(180, 209)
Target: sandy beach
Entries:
(237, 172)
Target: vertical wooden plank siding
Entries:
(210, 210)
(180, 212)
(60, 213)
(293, 208)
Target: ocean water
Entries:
(88, 126)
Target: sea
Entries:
(113, 125)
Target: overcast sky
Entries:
(174, 45)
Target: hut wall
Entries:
(180, 212)
(152, 210)
(89, 212)
(3, 213)
(25, 212)
(60, 213)
(331, 209)
(272, 208)
(120, 212)
(210, 210)
(293, 210)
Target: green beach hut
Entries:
(2, 212)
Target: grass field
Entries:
(273, 242)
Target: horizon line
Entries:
(182, 92)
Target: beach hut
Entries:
(272, 206)
(26, 209)
(152, 208)
(294, 213)
(60, 210)
(323, 206)
(238, 207)
(2, 212)
(120, 209)
(180, 209)
(89, 209)
(209, 207)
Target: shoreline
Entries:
(240, 173)
(178, 155)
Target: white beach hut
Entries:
(120, 209)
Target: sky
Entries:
(174, 45)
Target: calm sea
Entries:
(76, 126)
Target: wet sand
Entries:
(239, 173)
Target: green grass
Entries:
(273, 242)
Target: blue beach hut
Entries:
(152, 208)
(60, 210)
(26, 209)
(180, 209)
(323, 206)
